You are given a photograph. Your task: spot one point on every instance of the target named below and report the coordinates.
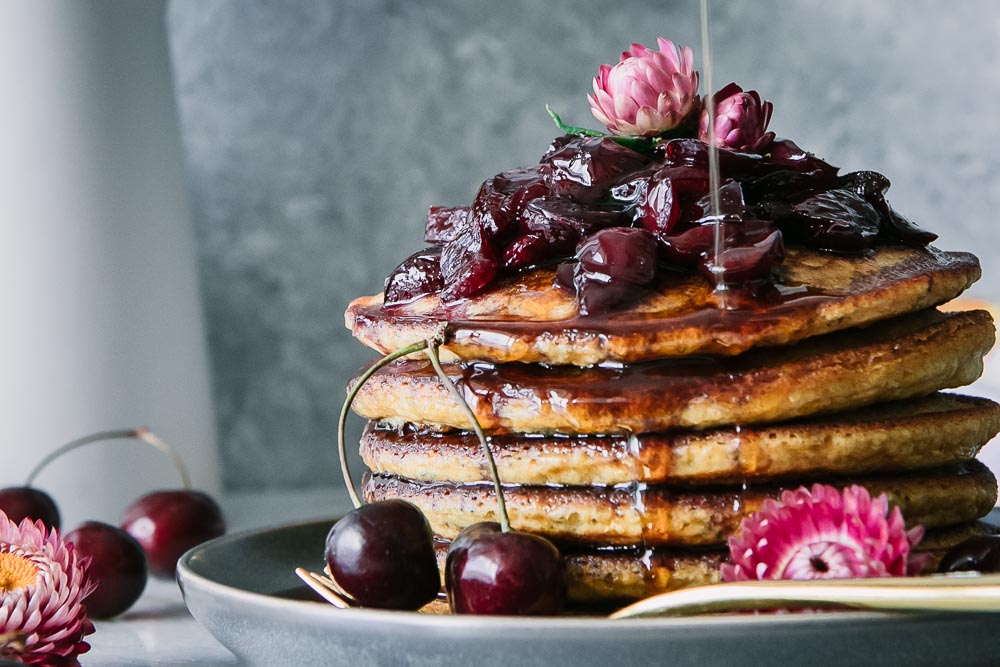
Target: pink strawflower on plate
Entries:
(823, 533)
(42, 585)
(647, 92)
(741, 119)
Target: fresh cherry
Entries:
(168, 523)
(117, 564)
(21, 502)
(489, 571)
(382, 555)
(980, 553)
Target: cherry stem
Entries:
(351, 395)
(141, 433)
(432, 354)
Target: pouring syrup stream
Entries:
(713, 159)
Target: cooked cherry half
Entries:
(21, 502)
(491, 572)
(117, 564)
(382, 555)
(168, 523)
(419, 274)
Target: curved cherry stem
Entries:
(351, 395)
(432, 354)
(141, 433)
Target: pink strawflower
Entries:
(824, 533)
(42, 585)
(741, 119)
(647, 92)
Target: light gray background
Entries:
(318, 132)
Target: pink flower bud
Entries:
(741, 120)
(647, 92)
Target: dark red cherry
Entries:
(491, 572)
(168, 523)
(980, 554)
(838, 220)
(897, 227)
(586, 168)
(117, 564)
(444, 223)
(730, 200)
(20, 502)
(612, 267)
(418, 275)
(382, 555)
(866, 184)
(552, 228)
(672, 197)
(747, 257)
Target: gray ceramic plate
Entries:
(242, 588)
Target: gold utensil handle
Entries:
(946, 593)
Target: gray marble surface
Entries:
(318, 132)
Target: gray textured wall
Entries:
(318, 132)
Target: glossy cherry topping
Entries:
(584, 187)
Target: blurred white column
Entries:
(101, 323)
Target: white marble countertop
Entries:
(158, 630)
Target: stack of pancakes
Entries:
(638, 441)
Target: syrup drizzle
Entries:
(713, 160)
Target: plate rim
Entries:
(187, 575)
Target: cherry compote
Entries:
(611, 268)
(382, 555)
(583, 185)
(489, 571)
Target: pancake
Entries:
(528, 319)
(625, 575)
(674, 516)
(918, 433)
(910, 356)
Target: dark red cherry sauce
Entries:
(613, 219)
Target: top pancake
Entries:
(529, 319)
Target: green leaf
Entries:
(638, 144)
(569, 129)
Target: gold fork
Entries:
(952, 593)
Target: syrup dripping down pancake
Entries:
(529, 319)
(918, 433)
(910, 356)
(620, 576)
(674, 516)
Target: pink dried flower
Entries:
(741, 119)
(647, 92)
(824, 534)
(42, 585)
